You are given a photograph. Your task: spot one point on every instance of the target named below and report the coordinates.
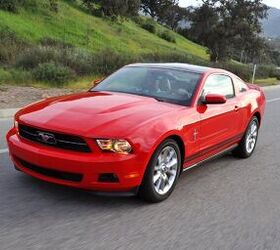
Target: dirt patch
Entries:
(16, 97)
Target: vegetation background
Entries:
(71, 42)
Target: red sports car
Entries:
(138, 129)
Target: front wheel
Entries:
(249, 140)
(162, 172)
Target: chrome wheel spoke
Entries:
(157, 176)
(172, 163)
(158, 183)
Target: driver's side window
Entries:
(219, 84)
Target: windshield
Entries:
(163, 84)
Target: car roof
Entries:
(185, 66)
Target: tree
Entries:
(172, 16)
(126, 8)
(229, 25)
(157, 8)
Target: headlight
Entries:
(118, 146)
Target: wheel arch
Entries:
(258, 115)
(181, 145)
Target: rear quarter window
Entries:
(242, 86)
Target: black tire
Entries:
(241, 151)
(147, 190)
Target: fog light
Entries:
(108, 177)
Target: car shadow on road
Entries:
(60, 193)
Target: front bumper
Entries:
(30, 156)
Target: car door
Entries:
(243, 102)
(218, 121)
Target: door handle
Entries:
(236, 108)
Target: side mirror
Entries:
(214, 99)
(96, 82)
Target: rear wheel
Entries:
(162, 172)
(249, 141)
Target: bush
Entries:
(245, 72)
(151, 27)
(175, 56)
(138, 20)
(34, 56)
(168, 36)
(9, 5)
(53, 5)
(10, 46)
(15, 76)
(266, 71)
(51, 42)
(4, 76)
(108, 61)
(79, 60)
(13, 5)
(52, 73)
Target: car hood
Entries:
(98, 114)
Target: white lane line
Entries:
(3, 151)
(273, 100)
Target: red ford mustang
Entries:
(138, 129)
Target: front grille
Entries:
(58, 140)
(50, 172)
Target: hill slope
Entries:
(271, 24)
(73, 25)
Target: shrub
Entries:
(4, 76)
(266, 71)
(52, 73)
(15, 76)
(53, 5)
(34, 56)
(107, 61)
(138, 20)
(151, 27)
(51, 42)
(79, 60)
(13, 5)
(9, 5)
(168, 36)
(174, 56)
(243, 71)
(10, 46)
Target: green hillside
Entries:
(74, 26)
(102, 40)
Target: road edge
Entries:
(7, 113)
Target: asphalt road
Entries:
(224, 204)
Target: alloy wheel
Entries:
(165, 170)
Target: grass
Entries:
(24, 78)
(80, 29)
(267, 81)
